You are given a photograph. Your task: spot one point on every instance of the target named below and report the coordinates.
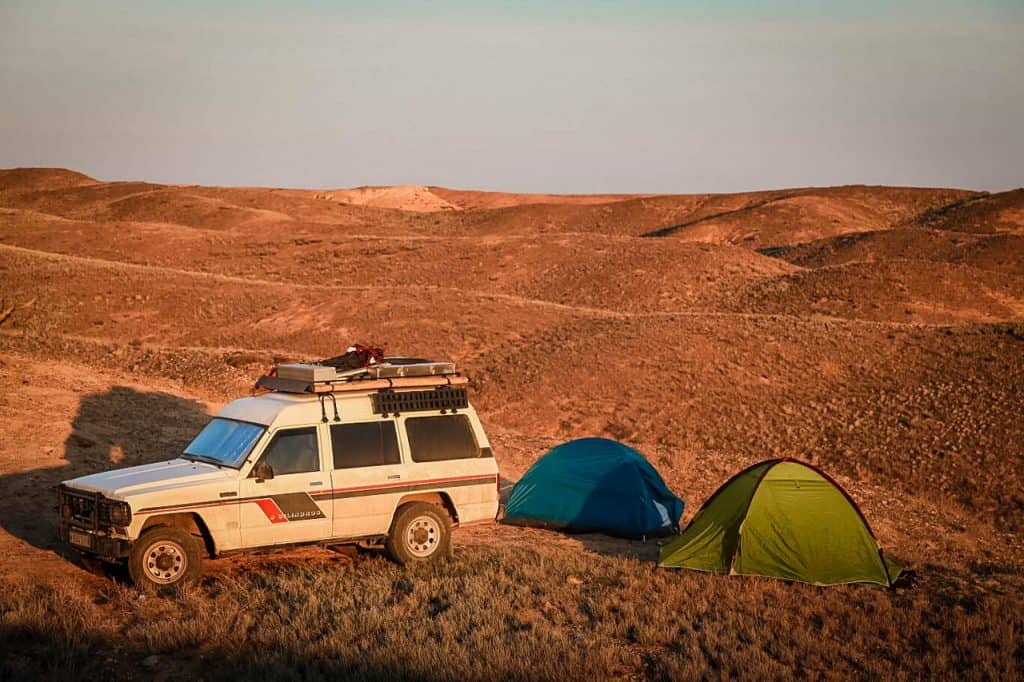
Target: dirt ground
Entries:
(875, 331)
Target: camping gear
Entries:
(389, 373)
(595, 485)
(389, 368)
(782, 518)
(306, 372)
(355, 357)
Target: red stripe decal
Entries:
(272, 511)
(275, 514)
(198, 505)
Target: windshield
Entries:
(224, 441)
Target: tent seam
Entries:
(746, 510)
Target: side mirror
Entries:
(263, 472)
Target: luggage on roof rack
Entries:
(410, 367)
(393, 373)
(403, 367)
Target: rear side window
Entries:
(293, 452)
(364, 445)
(434, 439)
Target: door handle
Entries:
(316, 483)
(394, 476)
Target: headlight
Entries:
(117, 513)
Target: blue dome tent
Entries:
(595, 485)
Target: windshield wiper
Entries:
(205, 459)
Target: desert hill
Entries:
(986, 214)
(1004, 252)
(476, 199)
(42, 178)
(802, 215)
(876, 331)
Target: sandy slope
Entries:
(404, 197)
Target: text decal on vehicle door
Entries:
(290, 507)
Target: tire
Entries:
(420, 532)
(164, 558)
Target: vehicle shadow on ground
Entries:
(117, 428)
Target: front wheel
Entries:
(164, 558)
(420, 532)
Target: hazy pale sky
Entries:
(574, 96)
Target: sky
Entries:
(545, 96)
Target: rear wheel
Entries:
(164, 558)
(420, 532)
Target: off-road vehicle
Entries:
(391, 455)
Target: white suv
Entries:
(391, 462)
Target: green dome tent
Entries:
(786, 519)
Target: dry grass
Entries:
(509, 613)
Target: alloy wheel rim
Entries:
(165, 562)
(423, 536)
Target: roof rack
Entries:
(443, 398)
(393, 373)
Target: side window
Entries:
(293, 452)
(364, 445)
(434, 439)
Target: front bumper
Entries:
(79, 525)
(100, 545)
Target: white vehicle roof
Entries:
(283, 409)
(265, 409)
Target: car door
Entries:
(279, 506)
(367, 476)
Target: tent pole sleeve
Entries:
(746, 510)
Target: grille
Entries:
(441, 399)
(80, 508)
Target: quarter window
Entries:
(434, 439)
(293, 452)
(366, 444)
